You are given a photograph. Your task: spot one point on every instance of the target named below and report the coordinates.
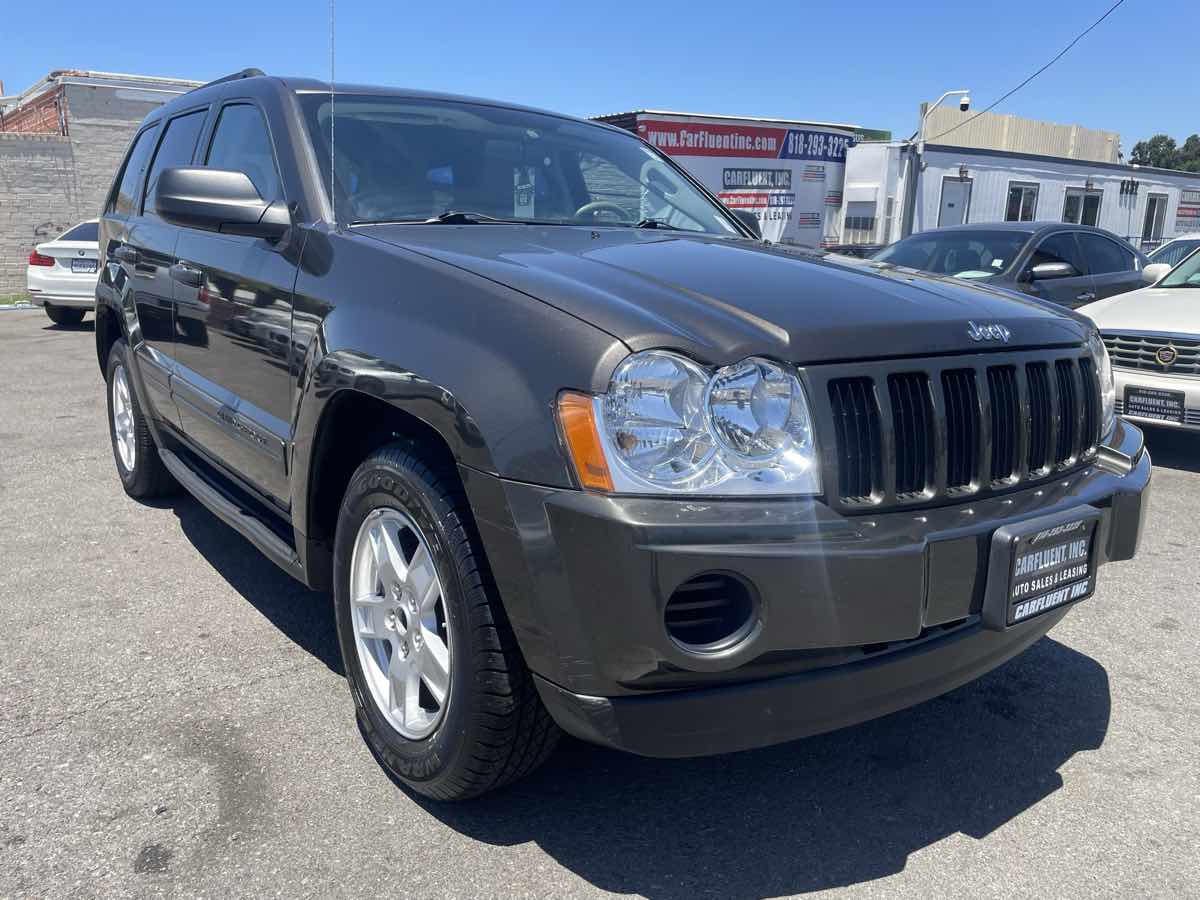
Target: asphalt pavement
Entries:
(174, 722)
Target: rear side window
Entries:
(241, 143)
(1060, 247)
(174, 150)
(85, 231)
(1104, 255)
(122, 200)
(1174, 252)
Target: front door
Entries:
(234, 306)
(956, 200)
(1073, 291)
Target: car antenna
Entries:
(332, 192)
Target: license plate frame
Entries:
(1171, 407)
(84, 266)
(1035, 566)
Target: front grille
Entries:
(1138, 351)
(908, 433)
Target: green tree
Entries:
(1160, 151)
(1189, 154)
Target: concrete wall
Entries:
(49, 182)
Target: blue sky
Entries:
(868, 62)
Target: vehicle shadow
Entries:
(88, 325)
(829, 811)
(1173, 449)
(304, 616)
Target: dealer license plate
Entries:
(1051, 567)
(1152, 403)
(85, 266)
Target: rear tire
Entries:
(64, 315)
(142, 472)
(491, 728)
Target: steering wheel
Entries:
(590, 209)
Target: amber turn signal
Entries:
(577, 419)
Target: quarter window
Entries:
(1022, 202)
(121, 201)
(241, 143)
(1104, 255)
(175, 149)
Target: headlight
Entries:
(1108, 383)
(669, 425)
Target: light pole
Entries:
(964, 104)
(916, 162)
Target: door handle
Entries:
(1085, 297)
(126, 254)
(186, 274)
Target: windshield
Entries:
(1186, 274)
(400, 159)
(963, 254)
(1173, 251)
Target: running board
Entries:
(244, 522)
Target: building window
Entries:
(1022, 202)
(1082, 206)
(1156, 217)
(859, 225)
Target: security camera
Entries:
(964, 104)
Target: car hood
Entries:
(1174, 310)
(721, 299)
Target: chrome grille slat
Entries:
(1137, 351)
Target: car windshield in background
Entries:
(963, 254)
(86, 231)
(1186, 274)
(401, 159)
(1173, 252)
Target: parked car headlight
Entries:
(1108, 383)
(669, 425)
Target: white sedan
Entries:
(1153, 340)
(61, 275)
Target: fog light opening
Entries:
(711, 612)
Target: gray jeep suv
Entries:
(572, 448)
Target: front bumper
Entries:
(859, 615)
(1188, 385)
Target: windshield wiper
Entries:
(462, 217)
(655, 223)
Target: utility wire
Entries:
(1060, 55)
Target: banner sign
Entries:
(795, 197)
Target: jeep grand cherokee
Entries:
(570, 446)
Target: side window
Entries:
(240, 142)
(124, 193)
(1059, 247)
(174, 150)
(1104, 255)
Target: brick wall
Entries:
(48, 183)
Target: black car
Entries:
(1071, 265)
(571, 447)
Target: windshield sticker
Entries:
(524, 191)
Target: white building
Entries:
(891, 190)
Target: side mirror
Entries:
(1050, 270)
(750, 220)
(218, 200)
(1155, 272)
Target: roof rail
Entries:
(244, 73)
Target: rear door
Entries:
(148, 252)
(234, 303)
(1072, 292)
(1113, 266)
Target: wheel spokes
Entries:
(435, 666)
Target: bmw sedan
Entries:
(61, 274)
(1071, 265)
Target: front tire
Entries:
(442, 693)
(64, 315)
(142, 472)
